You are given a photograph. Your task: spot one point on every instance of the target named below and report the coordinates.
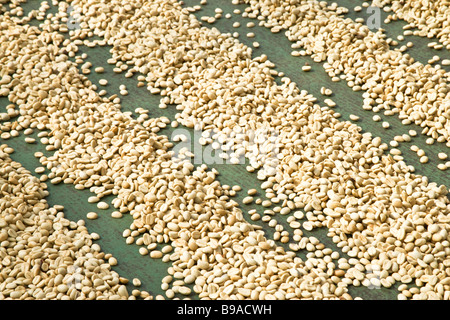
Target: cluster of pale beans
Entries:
(391, 80)
(43, 255)
(392, 223)
(429, 17)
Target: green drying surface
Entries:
(278, 49)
